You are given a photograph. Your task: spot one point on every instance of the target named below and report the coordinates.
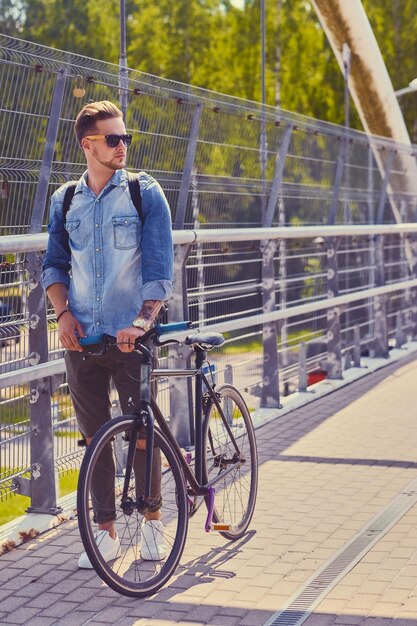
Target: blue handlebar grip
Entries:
(89, 341)
(162, 329)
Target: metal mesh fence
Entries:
(237, 155)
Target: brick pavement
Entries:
(326, 469)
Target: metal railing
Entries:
(287, 230)
(39, 438)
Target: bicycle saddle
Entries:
(205, 339)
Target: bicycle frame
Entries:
(149, 405)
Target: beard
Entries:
(114, 164)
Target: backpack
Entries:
(134, 189)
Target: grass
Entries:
(18, 412)
(15, 412)
(13, 507)
(16, 505)
(255, 345)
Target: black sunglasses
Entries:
(113, 140)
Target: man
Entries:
(107, 271)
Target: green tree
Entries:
(12, 14)
(394, 24)
(173, 38)
(215, 44)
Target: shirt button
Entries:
(97, 323)
(98, 275)
(97, 225)
(98, 299)
(97, 249)
(125, 221)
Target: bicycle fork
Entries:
(209, 497)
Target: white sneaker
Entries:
(108, 548)
(152, 542)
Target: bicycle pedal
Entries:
(223, 527)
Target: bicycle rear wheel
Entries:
(229, 439)
(128, 573)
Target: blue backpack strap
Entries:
(134, 189)
(69, 194)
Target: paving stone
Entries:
(42, 621)
(44, 601)
(59, 609)
(23, 615)
(77, 618)
(233, 611)
(11, 603)
(112, 614)
(348, 620)
(147, 608)
(320, 619)
(65, 586)
(96, 604)
(30, 589)
(223, 620)
(78, 595)
(9, 573)
(385, 609)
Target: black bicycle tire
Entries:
(140, 589)
(227, 390)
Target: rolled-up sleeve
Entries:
(157, 249)
(57, 261)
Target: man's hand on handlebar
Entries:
(126, 338)
(69, 329)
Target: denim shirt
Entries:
(107, 258)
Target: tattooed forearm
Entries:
(150, 310)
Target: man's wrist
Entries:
(140, 322)
(66, 310)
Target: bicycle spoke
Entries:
(236, 491)
(128, 573)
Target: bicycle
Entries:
(224, 477)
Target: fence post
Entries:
(380, 344)
(334, 347)
(188, 169)
(270, 386)
(400, 338)
(410, 242)
(356, 346)
(43, 489)
(302, 368)
(181, 404)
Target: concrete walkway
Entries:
(326, 471)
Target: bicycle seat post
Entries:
(200, 357)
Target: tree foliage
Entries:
(216, 44)
(394, 23)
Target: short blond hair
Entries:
(91, 113)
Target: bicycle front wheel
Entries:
(105, 460)
(230, 455)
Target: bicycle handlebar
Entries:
(91, 341)
(173, 327)
(157, 331)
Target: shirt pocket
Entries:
(75, 233)
(126, 232)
